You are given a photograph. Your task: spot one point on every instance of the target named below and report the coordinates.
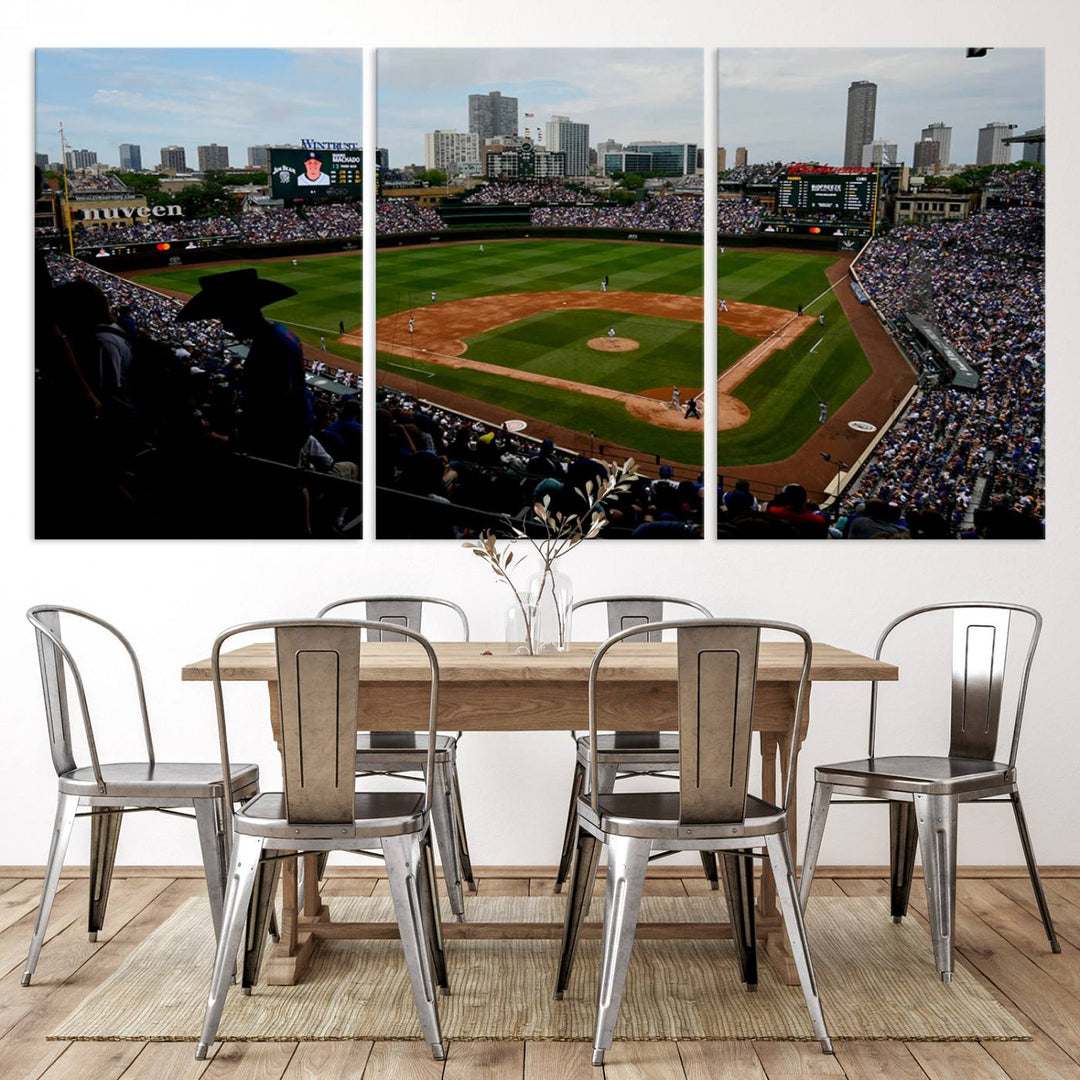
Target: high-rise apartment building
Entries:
(382, 158)
(213, 157)
(572, 139)
(991, 149)
(80, 159)
(879, 152)
(943, 136)
(41, 161)
(258, 157)
(721, 159)
(927, 155)
(452, 152)
(859, 130)
(492, 115)
(130, 157)
(173, 157)
(740, 156)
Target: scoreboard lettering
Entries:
(827, 193)
(315, 174)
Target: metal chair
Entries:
(924, 793)
(318, 663)
(627, 753)
(402, 754)
(711, 811)
(110, 790)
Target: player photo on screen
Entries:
(198, 360)
(881, 307)
(540, 278)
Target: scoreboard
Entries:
(833, 193)
(315, 174)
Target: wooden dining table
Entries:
(484, 687)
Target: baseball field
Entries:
(523, 330)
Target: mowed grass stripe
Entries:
(607, 420)
(783, 393)
(555, 343)
(777, 279)
(328, 290)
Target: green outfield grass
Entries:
(327, 287)
(458, 271)
(782, 279)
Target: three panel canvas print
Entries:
(542, 234)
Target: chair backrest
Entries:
(55, 660)
(318, 674)
(404, 611)
(624, 612)
(717, 677)
(980, 639)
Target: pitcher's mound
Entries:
(613, 344)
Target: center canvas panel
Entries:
(539, 291)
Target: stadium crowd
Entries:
(955, 453)
(442, 474)
(406, 216)
(146, 423)
(548, 192)
(736, 216)
(663, 213)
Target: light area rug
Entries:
(876, 978)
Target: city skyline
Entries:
(622, 94)
(191, 97)
(790, 104)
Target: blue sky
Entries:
(623, 94)
(234, 97)
(791, 104)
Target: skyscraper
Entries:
(740, 156)
(572, 139)
(452, 152)
(41, 161)
(213, 157)
(861, 107)
(382, 158)
(492, 115)
(879, 152)
(927, 155)
(721, 159)
(80, 159)
(130, 157)
(992, 151)
(173, 157)
(259, 156)
(943, 136)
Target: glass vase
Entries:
(522, 624)
(553, 595)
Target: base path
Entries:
(440, 330)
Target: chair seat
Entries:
(655, 815)
(163, 779)
(376, 813)
(921, 775)
(395, 746)
(633, 748)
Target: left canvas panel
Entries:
(198, 293)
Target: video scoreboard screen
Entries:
(315, 174)
(832, 193)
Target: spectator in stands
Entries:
(791, 507)
(277, 416)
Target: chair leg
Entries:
(104, 836)
(428, 890)
(628, 860)
(214, 856)
(903, 841)
(606, 775)
(566, 859)
(739, 893)
(1033, 871)
(442, 821)
(66, 805)
(246, 856)
(403, 869)
(787, 897)
(815, 830)
(259, 912)
(582, 881)
(464, 858)
(936, 818)
(712, 873)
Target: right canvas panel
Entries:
(881, 293)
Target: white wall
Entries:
(172, 598)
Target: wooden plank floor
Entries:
(998, 935)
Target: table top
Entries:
(480, 662)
